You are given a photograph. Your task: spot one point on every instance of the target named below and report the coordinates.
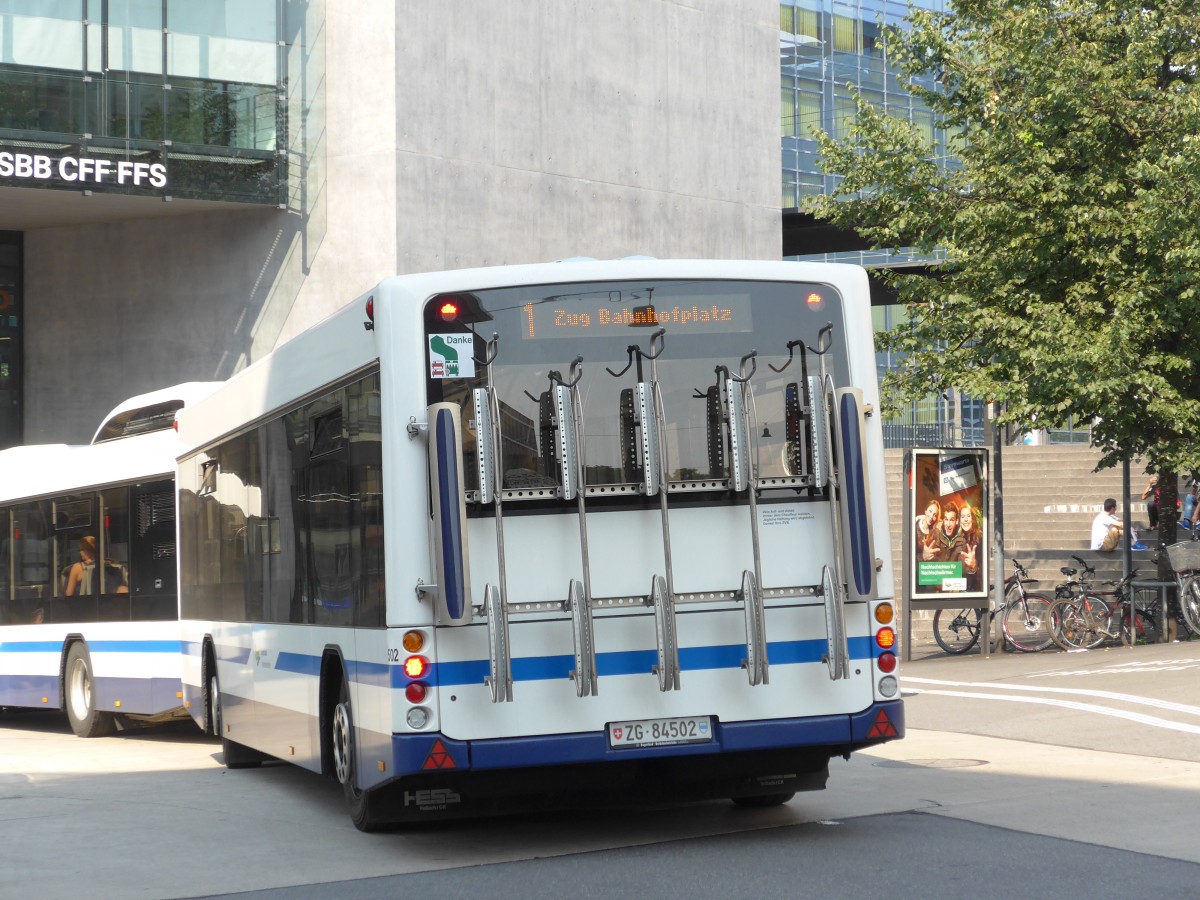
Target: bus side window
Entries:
(113, 568)
(32, 587)
(10, 614)
(149, 554)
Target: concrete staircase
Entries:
(1051, 495)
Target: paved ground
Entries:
(1010, 752)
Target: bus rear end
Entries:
(657, 537)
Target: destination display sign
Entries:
(614, 312)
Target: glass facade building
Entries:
(168, 97)
(828, 49)
(159, 99)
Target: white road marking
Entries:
(1103, 695)
(1081, 707)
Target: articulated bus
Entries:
(89, 618)
(548, 534)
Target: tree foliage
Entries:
(1070, 218)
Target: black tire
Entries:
(79, 695)
(1079, 622)
(363, 805)
(763, 801)
(1145, 628)
(956, 630)
(1189, 603)
(212, 705)
(1028, 625)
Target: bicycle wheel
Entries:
(956, 630)
(1189, 602)
(1027, 623)
(1079, 622)
(1144, 624)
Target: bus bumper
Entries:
(433, 776)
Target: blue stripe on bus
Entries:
(31, 646)
(93, 646)
(233, 653)
(855, 496)
(548, 668)
(635, 662)
(375, 674)
(135, 646)
(300, 663)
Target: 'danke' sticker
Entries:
(451, 356)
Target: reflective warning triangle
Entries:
(883, 727)
(439, 757)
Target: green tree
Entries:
(1068, 218)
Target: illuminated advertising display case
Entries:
(947, 527)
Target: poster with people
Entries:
(948, 525)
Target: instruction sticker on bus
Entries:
(451, 356)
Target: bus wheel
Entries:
(214, 706)
(364, 805)
(78, 690)
(762, 801)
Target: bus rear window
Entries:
(540, 330)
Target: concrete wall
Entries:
(541, 129)
(425, 136)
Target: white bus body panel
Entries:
(275, 704)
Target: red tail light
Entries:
(415, 692)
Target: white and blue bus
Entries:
(549, 533)
(89, 618)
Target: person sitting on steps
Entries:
(1107, 529)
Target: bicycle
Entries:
(1083, 620)
(1026, 619)
(1078, 617)
(1185, 563)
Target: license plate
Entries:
(660, 732)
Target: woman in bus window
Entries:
(79, 576)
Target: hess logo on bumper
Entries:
(435, 798)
